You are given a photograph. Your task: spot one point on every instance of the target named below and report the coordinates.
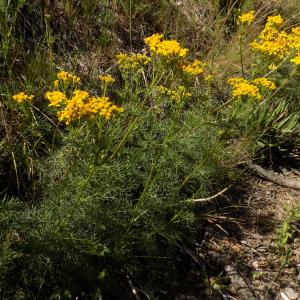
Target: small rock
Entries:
(283, 296)
(255, 265)
(261, 249)
(292, 295)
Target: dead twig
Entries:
(208, 198)
(277, 179)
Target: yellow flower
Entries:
(295, 38)
(153, 41)
(82, 105)
(276, 43)
(273, 42)
(241, 88)
(296, 59)
(208, 78)
(22, 97)
(275, 20)
(67, 77)
(264, 82)
(107, 79)
(132, 61)
(56, 83)
(56, 98)
(165, 48)
(246, 18)
(175, 95)
(273, 66)
(195, 68)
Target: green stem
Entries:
(127, 133)
(98, 140)
(161, 153)
(133, 123)
(77, 201)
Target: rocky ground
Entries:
(260, 250)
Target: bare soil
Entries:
(255, 264)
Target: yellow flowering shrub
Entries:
(246, 18)
(276, 43)
(242, 87)
(272, 41)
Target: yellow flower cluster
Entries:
(276, 43)
(264, 82)
(22, 97)
(175, 95)
(195, 68)
(296, 59)
(82, 105)
(169, 49)
(242, 87)
(295, 38)
(275, 20)
(208, 78)
(107, 79)
(295, 41)
(56, 98)
(67, 77)
(246, 18)
(132, 61)
(272, 41)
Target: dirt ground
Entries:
(260, 250)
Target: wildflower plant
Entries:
(133, 149)
(274, 49)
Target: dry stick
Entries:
(208, 198)
(277, 179)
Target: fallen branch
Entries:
(208, 198)
(277, 179)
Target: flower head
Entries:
(296, 59)
(67, 77)
(272, 41)
(56, 98)
(22, 97)
(82, 106)
(132, 61)
(275, 20)
(168, 49)
(264, 82)
(195, 68)
(246, 18)
(241, 87)
(175, 95)
(107, 79)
